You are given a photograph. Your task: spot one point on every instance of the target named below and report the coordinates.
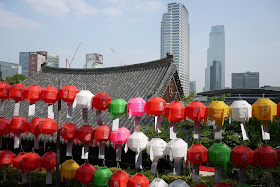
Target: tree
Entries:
(17, 78)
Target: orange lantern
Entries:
(84, 134)
(6, 159)
(101, 135)
(4, 94)
(48, 161)
(138, 180)
(68, 132)
(156, 106)
(18, 125)
(85, 173)
(33, 127)
(119, 178)
(32, 94)
(68, 94)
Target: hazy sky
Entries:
(132, 29)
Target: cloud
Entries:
(112, 11)
(81, 8)
(12, 21)
(149, 6)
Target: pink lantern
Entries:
(136, 107)
(119, 137)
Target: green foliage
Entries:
(17, 78)
(218, 98)
(188, 99)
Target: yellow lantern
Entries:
(68, 169)
(264, 109)
(217, 111)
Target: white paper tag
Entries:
(173, 131)
(69, 149)
(69, 110)
(2, 106)
(154, 166)
(85, 151)
(197, 130)
(24, 177)
(98, 117)
(85, 115)
(177, 167)
(49, 177)
(16, 109)
(195, 177)
(36, 142)
(118, 152)
(157, 124)
(125, 148)
(244, 131)
(115, 125)
(17, 141)
(137, 124)
(138, 160)
(31, 111)
(50, 111)
(218, 174)
(218, 131)
(101, 154)
(265, 132)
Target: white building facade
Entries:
(175, 39)
(216, 52)
(94, 60)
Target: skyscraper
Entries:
(216, 52)
(215, 75)
(175, 39)
(53, 60)
(245, 80)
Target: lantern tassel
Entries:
(138, 160)
(85, 151)
(101, 154)
(16, 141)
(137, 124)
(98, 117)
(173, 130)
(115, 125)
(36, 142)
(50, 111)
(49, 177)
(218, 130)
(244, 131)
(265, 130)
(16, 108)
(69, 148)
(197, 130)
(154, 166)
(69, 110)
(242, 175)
(2, 106)
(31, 109)
(119, 152)
(24, 177)
(85, 115)
(218, 174)
(195, 177)
(157, 124)
(5, 174)
(177, 167)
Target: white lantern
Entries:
(83, 99)
(158, 183)
(155, 148)
(176, 149)
(179, 183)
(137, 142)
(241, 111)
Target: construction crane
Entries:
(68, 64)
(118, 57)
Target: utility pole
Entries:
(57, 183)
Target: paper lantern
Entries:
(30, 162)
(32, 93)
(155, 148)
(174, 112)
(84, 134)
(68, 93)
(219, 155)
(118, 138)
(197, 154)
(195, 111)
(119, 178)
(18, 125)
(102, 133)
(6, 159)
(278, 153)
(17, 160)
(179, 183)
(48, 161)
(136, 107)
(264, 109)
(138, 180)
(34, 128)
(85, 173)
(266, 156)
(241, 111)
(83, 99)
(176, 149)
(155, 106)
(217, 111)
(117, 108)
(69, 132)
(101, 101)
(4, 126)
(48, 126)
(49, 94)
(158, 183)
(242, 156)
(4, 90)
(221, 185)
(102, 176)
(68, 169)
(278, 109)
(17, 92)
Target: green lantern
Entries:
(244, 185)
(219, 155)
(101, 177)
(117, 108)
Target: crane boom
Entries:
(70, 63)
(118, 57)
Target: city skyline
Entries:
(132, 29)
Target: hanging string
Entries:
(103, 163)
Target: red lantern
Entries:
(242, 156)
(155, 106)
(32, 93)
(17, 92)
(85, 173)
(49, 94)
(174, 112)
(102, 133)
(48, 161)
(278, 110)
(84, 134)
(100, 101)
(68, 131)
(119, 178)
(18, 125)
(68, 93)
(4, 126)
(266, 156)
(48, 126)
(17, 160)
(199, 185)
(30, 162)
(6, 158)
(278, 153)
(195, 111)
(197, 154)
(221, 185)
(33, 126)
(138, 180)
(4, 90)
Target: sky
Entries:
(132, 29)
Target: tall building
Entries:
(215, 75)
(192, 86)
(31, 61)
(175, 39)
(94, 60)
(8, 69)
(53, 60)
(245, 80)
(216, 52)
